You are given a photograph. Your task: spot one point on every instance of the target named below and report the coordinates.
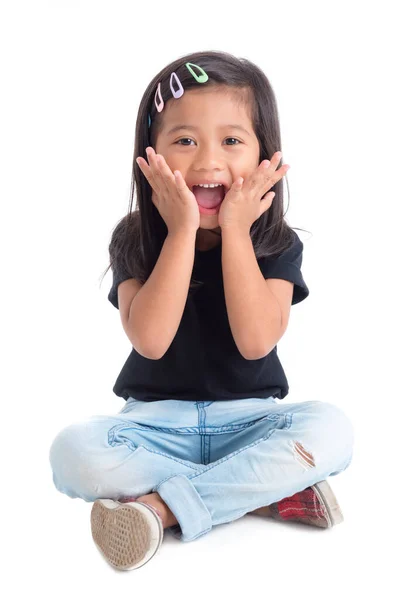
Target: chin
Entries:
(210, 228)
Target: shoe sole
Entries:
(326, 496)
(127, 534)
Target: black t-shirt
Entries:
(203, 361)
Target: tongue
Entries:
(209, 197)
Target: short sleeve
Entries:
(119, 275)
(287, 266)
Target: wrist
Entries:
(189, 233)
(234, 230)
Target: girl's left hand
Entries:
(242, 205)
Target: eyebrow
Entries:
(193, 128)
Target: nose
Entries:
(208, 158)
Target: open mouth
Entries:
(209, 199)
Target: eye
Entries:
(181, 141)
(239, 142)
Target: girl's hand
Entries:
(176, 204)
(242, 205)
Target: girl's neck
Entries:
(205, 241)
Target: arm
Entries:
(156, 310)
(253, 311)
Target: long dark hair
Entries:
(137, 239)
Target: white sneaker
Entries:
(128, 534)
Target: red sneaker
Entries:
(316, 505)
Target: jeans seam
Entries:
(288, 423)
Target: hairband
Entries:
(202, 78)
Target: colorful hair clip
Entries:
(180, 91)
(159, 106)
(202, 78)
(199, 78)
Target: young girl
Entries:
(204, 276)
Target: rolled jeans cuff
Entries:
(183, 500)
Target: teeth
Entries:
(210, 185)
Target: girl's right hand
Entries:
(176, 204)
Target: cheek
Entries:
(175, 162)
(245, 173)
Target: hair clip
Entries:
(199, 78)
(202, 78)
(149, 119)
(180, 91)
(159, 106)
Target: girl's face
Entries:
(215, 140)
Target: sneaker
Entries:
(128, 534)
(316, 505)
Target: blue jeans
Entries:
(211, 462)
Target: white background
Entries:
(72, 76)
